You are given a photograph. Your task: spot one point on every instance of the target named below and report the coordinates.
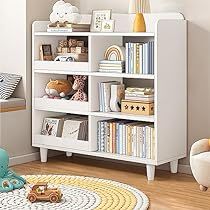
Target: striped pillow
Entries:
(8, 83)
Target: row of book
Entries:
(126, 138)
(140, 58)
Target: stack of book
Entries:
(140, 58)
(68, 28)
(139, 94)
(112, 66)
(126, 138)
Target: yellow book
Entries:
(128, 138)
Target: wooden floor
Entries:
(167, 192)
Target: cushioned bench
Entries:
(12, 104)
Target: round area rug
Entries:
(79, 193)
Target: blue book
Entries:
(132, 59)
(99, 136)
(129, 58)
(117, 138)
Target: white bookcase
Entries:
(169, 81)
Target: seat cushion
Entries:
(12, 104)
(8, 83)
(200, 165)
(203, 157)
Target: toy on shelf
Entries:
(41, 192)
(79, 85)
(72, 50)
(64, 13)
(58, 89)
(114, 60)
(8, 179)
(117, 94)
(65, 18)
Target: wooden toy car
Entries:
(41, 192)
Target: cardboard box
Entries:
(137, 107)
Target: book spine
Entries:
(134, 58)
(108, 138)
(99, 136)
(137, 59)
(114, 138)
(124, 140)
(126, 58)
(131, 58)
(129, 143)
(153, 150)
(134, 141)
(102, 136)
(140, 58)
(111, 138)
(148, 142)
(144, 143)
(105, 136)
(137, 142)
(117, 138)
(120, 139)
(141, 142)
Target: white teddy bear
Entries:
(64, 12)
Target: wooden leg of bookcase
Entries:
(69, 154)
(174, 166)
(150, 172)
(43, 155)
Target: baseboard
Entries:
(24, 159)
(183, 169)
(30, 157)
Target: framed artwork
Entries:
(46, 52)
(98, 16)
(107, 26)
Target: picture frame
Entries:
(108, 26)
(97, 17)
(46, 52)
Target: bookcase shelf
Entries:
(123, 75)
(168, 31)
(61, 66)
(120, 115)
(63, 106)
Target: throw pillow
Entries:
(8, 83)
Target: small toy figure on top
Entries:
(64, 14)
(8, 179)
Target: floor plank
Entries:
(167, 192)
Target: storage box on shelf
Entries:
(169, 67)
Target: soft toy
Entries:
(8, 179)
(79, 84)
(58, 89)
(64, 13)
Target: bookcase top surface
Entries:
(123, 24)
